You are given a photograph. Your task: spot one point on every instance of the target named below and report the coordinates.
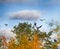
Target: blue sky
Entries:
(14, 11)
(49, 10)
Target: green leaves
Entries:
(22, 28)
(25, 34)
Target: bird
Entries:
(39, 27)
(35, 24)
(42, 19)
(55, 40)
(6, 24)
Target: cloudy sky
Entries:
(14, 11)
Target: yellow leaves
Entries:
(24, 43)
(54, 46)
(35, 42)
(11, 44)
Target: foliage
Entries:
(22, 27)
(30, 37)
(25, 43)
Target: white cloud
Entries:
(7, 33)
(25, 15)
(54, 36)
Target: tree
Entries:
(0, 42)
(32, 38)
(22, 28)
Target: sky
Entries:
(14, 11)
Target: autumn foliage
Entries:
(25, 43)
(30, 37)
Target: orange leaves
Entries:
(24, 43)
(35, 43)
(11, 44)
